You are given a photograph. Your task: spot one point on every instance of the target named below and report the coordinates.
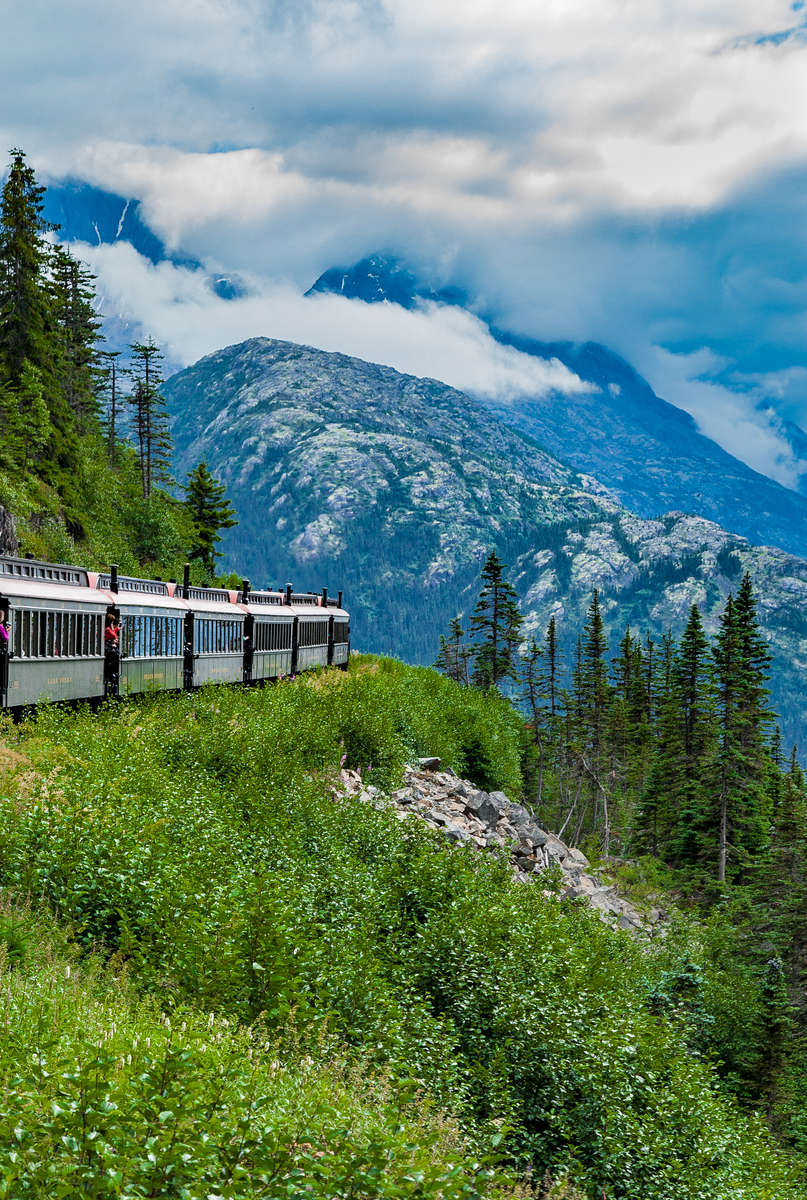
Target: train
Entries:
(71, 634)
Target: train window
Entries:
(272, 635)
(341, 632)
(312, 633)
(149, 637)
(38, 634)
(218, 636)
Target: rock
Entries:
(519, 816)
(467, 815)
(428, 764)
(455, 833)
(499, 800)
(487, 812)
(555, 848)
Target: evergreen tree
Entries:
(150, 416)
(24, 303)
(108, 387)
(497, 621)
(453, 655)
(36, 427)
(552, 660)
(740, 665)
(76, 326)
(210, 511)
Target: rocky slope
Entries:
(646, 450)
(395, 488)
(489, 822)
(351, 474)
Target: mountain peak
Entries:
(383, 279)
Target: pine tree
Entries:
(24, 303)
(552, 659)
(740, 665)
(209, 511)
(108, 388)
(150, 417)
(497, 621)
(453, 655)
(76, 328)
(36, 428)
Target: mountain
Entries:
(85, 213)
(646, 450)
(394, 488)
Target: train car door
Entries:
(187, 661)
(249, 646)
(5, 647)
(112, 635)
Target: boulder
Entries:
(428, 764)
(577, 857)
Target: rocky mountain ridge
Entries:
(647, 451)
(395, 488)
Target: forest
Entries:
(86, 446)
(664, 760)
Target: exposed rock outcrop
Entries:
(8, 533)
(489, 822)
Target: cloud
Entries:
(732, 418)
(176, 306)
(624, 171)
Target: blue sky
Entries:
(631, 171)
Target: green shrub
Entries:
(201, 840)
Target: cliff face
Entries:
(8, 532)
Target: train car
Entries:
(71, 634)
(214, 635)
(152, 634)
(268, 634)
(55, 622)
(339, 633)
(311, 630)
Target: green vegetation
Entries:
(80, 492)
(669, 754)
(429, 1011)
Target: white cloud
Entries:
(176, 306)
(730, 417)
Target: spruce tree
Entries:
(452, 658)
(150, 416)
(76, 330)
(210, 511)
(740, 665)
(25, 325)
(108, 387)
(552, 661)
(497, 621)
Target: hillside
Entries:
(300, 994)
(352, 475)
(649, 452)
